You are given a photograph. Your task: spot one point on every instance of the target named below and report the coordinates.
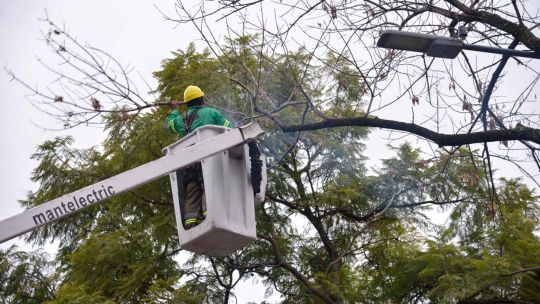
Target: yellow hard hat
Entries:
(192, 92)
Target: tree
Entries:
(329, 232)
(450, 102)
(26, 277)
(390, 78)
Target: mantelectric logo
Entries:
(77, 202)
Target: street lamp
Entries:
(440, 46)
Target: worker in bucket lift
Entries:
(196, 115)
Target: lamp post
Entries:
(440, 46)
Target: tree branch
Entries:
(518, 133)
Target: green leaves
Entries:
(69, 293)
(26, 277)
(121, 264)
(330, 231)
(186, 68)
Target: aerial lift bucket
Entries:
(230, 202)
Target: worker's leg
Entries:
(198, 171)
(203, 213)
(181, 180)
(193, 204)
(194, 197)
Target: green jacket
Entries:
(204, 116)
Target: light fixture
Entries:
(440, 46)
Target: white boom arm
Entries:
(96, 193)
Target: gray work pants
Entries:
(191, 192)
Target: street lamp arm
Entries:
(501, 51)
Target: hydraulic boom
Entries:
(73, 202)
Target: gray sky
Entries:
(132, 31)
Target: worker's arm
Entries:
(174, 123)
(221, 121)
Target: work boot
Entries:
(190, 223)
(202, 217)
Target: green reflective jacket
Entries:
(204, 116)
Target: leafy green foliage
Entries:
(331, 231)
(26, 277)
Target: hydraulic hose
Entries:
(256, 166)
